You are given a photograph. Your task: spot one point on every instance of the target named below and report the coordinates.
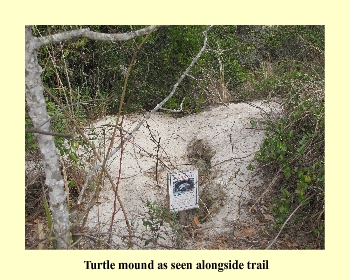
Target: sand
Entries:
(227, 130)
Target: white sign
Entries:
(183, 190)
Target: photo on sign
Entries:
(183, 186)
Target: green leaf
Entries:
(33, 146)
(307, 179)
(253, 123)
(250, 167)
(286, 171)
(73, 157)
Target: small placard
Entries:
(183, 190)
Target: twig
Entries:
(274, 180)
(117, 187)
(256, 106)
(95, 196)
(232, 158)
(174, 111)
(76, 242)
(272, 183)
(69, 136)
(133, 60)
(158, 146)
(295, 210)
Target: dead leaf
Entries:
(266, 217)
(196, 221)
(294, 244)
(41, 235)
(246, 232)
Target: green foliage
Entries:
(295, 41)
(251, 61)
(156, 221)
(250, 167)
(295, 143)
(281, 208)
(284, 56)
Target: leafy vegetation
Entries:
(161, 224)
(295, 145)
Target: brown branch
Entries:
(69, 136)
(232, 158)
(116, 195)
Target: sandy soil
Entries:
(229, 133)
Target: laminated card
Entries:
(183, 190)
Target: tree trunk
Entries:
(38, 113)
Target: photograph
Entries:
(174, 137)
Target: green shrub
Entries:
(156, 220)
(295, 143)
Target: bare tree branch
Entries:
(69, 136)
(60, 37)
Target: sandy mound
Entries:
(228, 132)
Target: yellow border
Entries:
(16, 262)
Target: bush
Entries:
(295, 144)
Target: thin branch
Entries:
(174, 111)
(69, 136)
(232, 158)
(271, 184)
(117, 187)
(295, 210)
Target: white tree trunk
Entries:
(38, 113)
